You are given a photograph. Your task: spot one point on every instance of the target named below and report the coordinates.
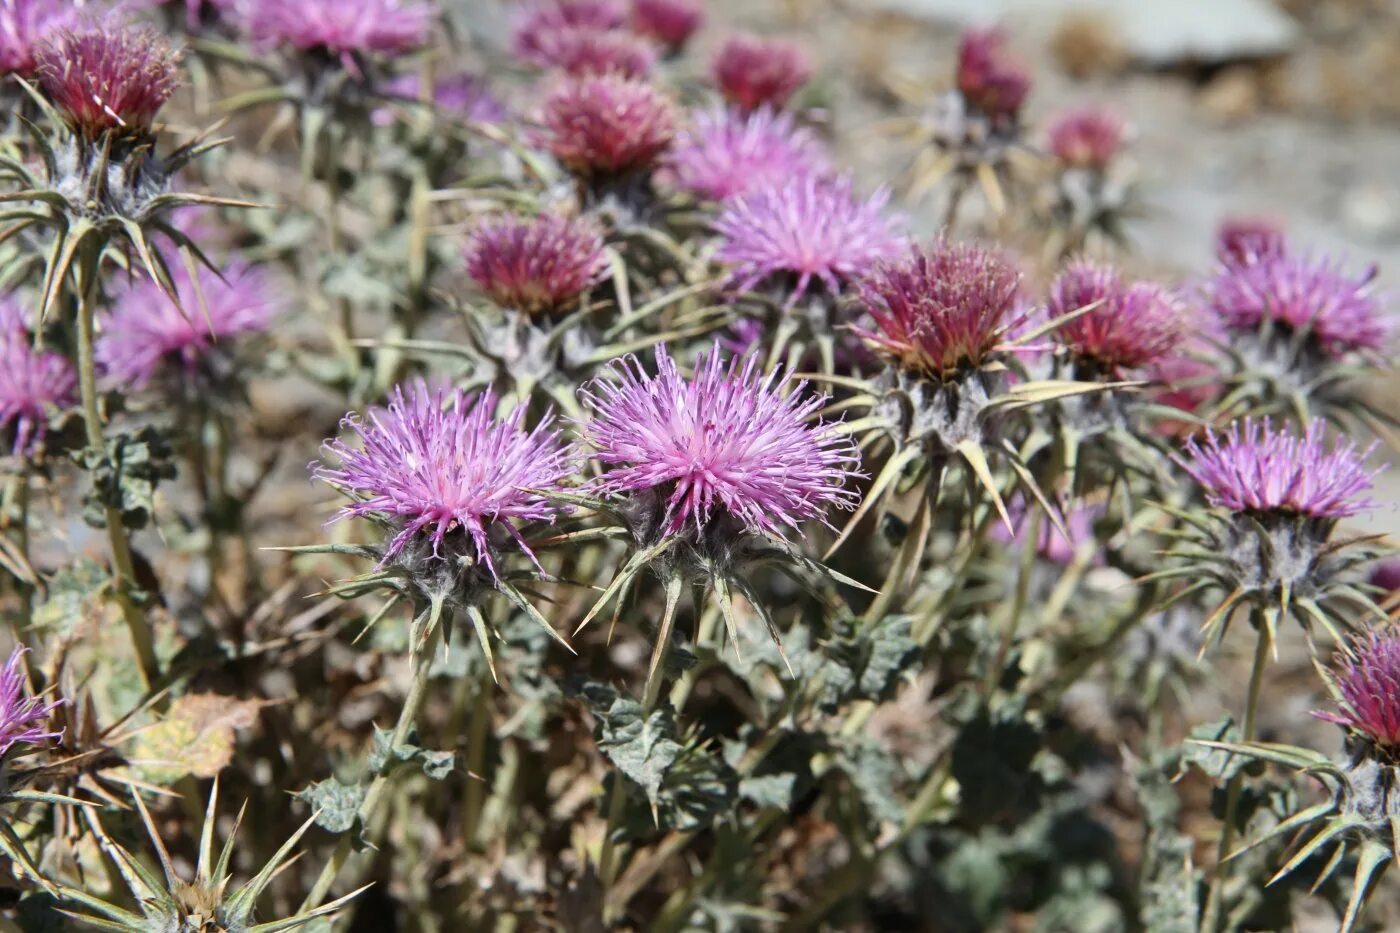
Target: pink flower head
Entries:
(22, 717)
(989, 79)
(607, 125)
(1302, 293)
(731, 438)
(1089, 137)
(1368, 678)
(1256, 469)
(1131, 325)
(1242, 240)
(723, 153)
(148, 331)
(809, 229)
(439, 462)
(1050, 545)
(943, 310)
(547, 16)
(1385, 575)
(32, 382)
(105, 77)
(25, 24)
(751, 71)
(584, 50)
(342, 28)
(538, 265)
(669, 22)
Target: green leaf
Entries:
(875, 775)
(436, 765)
(125, 474)
(1214, 761)
(337, 803)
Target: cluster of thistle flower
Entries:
(723, 240)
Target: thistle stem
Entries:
(123, 568)
(476, 757)
(379, 787)
(1210, 918)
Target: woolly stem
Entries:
(1210, 918)
(123, 567)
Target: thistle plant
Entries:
(752, 72)
(670, 23)
(723, 153)
(1092, 190)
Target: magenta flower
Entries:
(731, 439)
(752, 72)
(808, 229)
(25, 24)
(607, 125)
(102, 77)
(943, 310)
(1242, 240)
(22, 717)
(463, 96)
(1385, 575)
(147, 331)
(1368, 678)
(1301, 293)
(669, 22)
(1256, 469)
(342, 28)
(1183, 381)
(585, 50)
(989, 79)
(724, 153)
(547, 16)
(1089, 137)
(33, 383)
(537, 265)
(1133, 324)
(440, 462)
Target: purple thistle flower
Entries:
(1089, 137)
(147, 330)
(539, 19)
(25, 24)
(1301, 293)
(537, 265)
(32, 382)
(723, 153)
(341, 28)
(1368, 678)
(811, 228)
(1242, 240)
(1134, 324)
(463, 96)
(943, 310)
(988, 78)
(437, 462)
(732, 438)
(21, 717)
(607, 125)
(585, 50)
(1258, 470)
(669, 22)
(753, 72)
(103, 78)
(1385, 575)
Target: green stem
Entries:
(379, 787)
(123, 568)
(1015, 610)
(476, 758)
(680, 693)
(1210, 919)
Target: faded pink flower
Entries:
(752, 72)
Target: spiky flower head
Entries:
(811, 229)
(1089, 137)
(990, 80)
(22, 717)
(24, 24)
(148, 332)
(723, 152)
(539, 19)
(731, 441)
(942, 310)
(585, 50)
(1256, 469)
(607, 125)
(1131, 325)
(1242, 240)
(438, 465)
(752, 72)
(105, 78)
(1297, 294)
(537, 265)
(669, 22)
(33, 383)
(1368, 679)
(339, 28)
